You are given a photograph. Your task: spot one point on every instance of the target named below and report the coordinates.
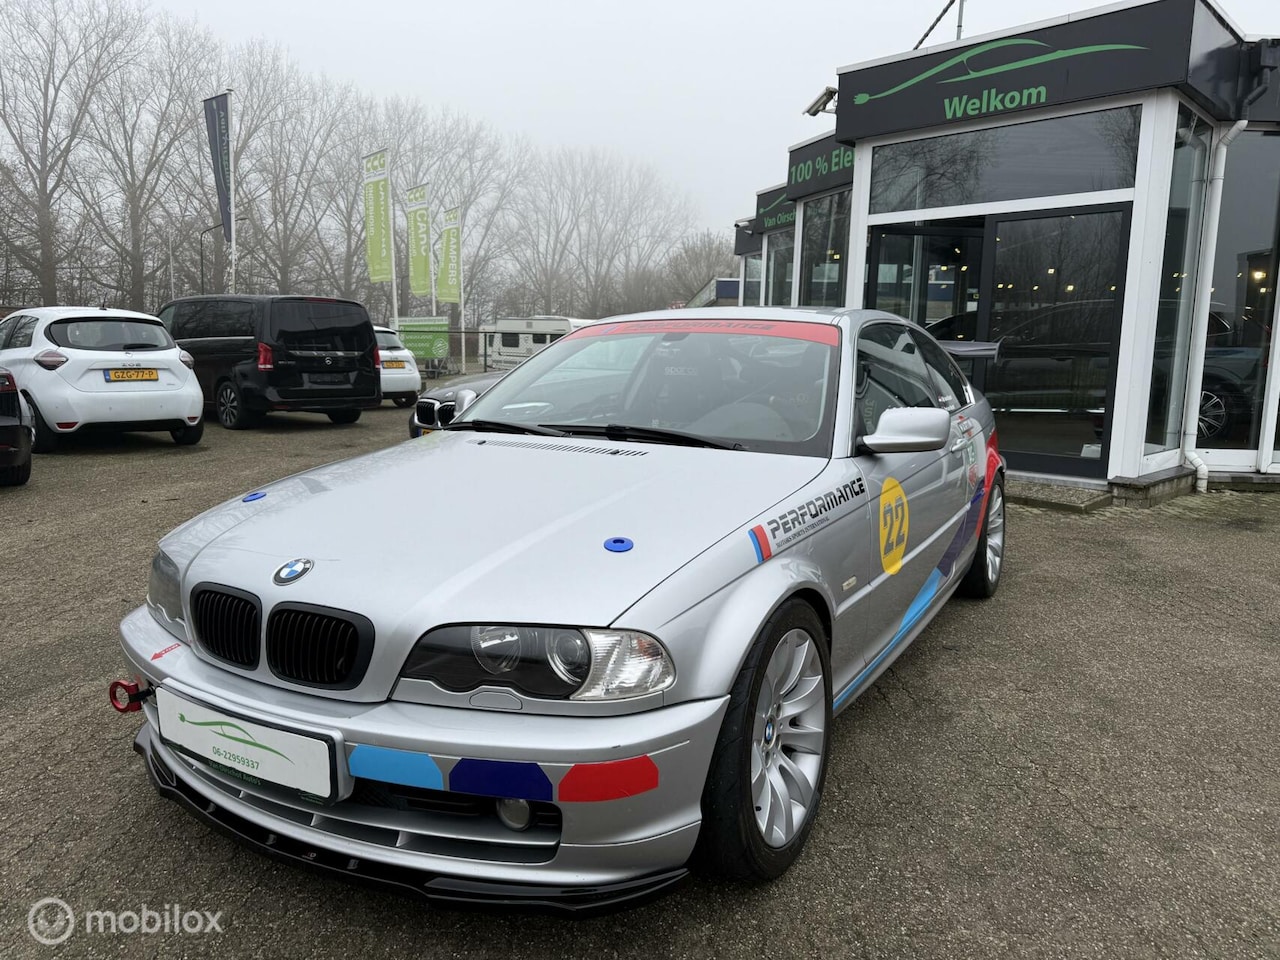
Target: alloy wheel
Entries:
(995, 532)
(788, 738)
(1214, 414)
(228, 405)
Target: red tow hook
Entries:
(126, 696)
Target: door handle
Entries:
(960, 444)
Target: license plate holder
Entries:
(249, 749)
(130, 375)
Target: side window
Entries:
(951, 386)
(166, 317)
(890, 373)
(510, 340)
(237, 319)
(539, 338)
(5, 325)
(190, 321)
(22, 333)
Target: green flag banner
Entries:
(419, 241)
(377, 217)
(449, 280)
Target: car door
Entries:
(917, 504)
(18, 351)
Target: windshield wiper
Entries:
(622, 431)
(504, 426)
(140, 346)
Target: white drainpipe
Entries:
(1200, 321)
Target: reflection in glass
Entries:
(1076, 154)
(929, 275)
(1178, 288)
(1055, 310)
(824, 251)
(781, 249)
(751, 280)
(1243, 291)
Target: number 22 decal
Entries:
(895, 518)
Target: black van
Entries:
(255, 354)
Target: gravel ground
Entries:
(1085, 766)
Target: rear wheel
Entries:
(46, 439)
(189, 435)
(983, 576)
(766, 776)
(228, 403)
(15, 476)
(344, 416)
(1217, 413)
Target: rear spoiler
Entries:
(970, 350)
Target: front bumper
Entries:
(603, 850)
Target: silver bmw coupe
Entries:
(650, 565)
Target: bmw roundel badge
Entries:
(292, 571)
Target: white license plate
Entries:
(246, 748)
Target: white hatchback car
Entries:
(84, 368)
(401, 380)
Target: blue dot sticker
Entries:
(618, 544)
(256, 495)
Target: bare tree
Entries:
(697, 259)
(69, 50)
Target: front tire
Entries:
(983, 576)
(344, 416)
(766, 777)
(16, 476)
(189, 435)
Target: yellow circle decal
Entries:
(894, 517)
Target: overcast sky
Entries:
(711, 91)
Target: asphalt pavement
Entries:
(1087, 765)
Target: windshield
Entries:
(756, 385)
(388, 340)
(110, 333)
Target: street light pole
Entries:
(216, 226)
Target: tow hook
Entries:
(127, 696)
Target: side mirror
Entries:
(910, 430)
(464, 399)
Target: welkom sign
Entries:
(1075, 58)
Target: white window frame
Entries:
(1137, 325)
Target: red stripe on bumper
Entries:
(612, 780)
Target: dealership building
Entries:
(1099, 194)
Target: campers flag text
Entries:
(449, 282)
(377, 217)
(419, 242)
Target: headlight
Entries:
(164, 594)
(553, 662)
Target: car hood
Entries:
(480, 527)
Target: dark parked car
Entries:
(436, 407)
(16, 433)
(256, 354)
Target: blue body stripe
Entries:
(500, 778)
(914, 612)
(395, 766)
(755, 542)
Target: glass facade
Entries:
(751, 280)
(780, 249)
(1191, 147)
(824, 251)
(1043, 158)
(1243, 292)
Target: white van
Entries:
(512, 340)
